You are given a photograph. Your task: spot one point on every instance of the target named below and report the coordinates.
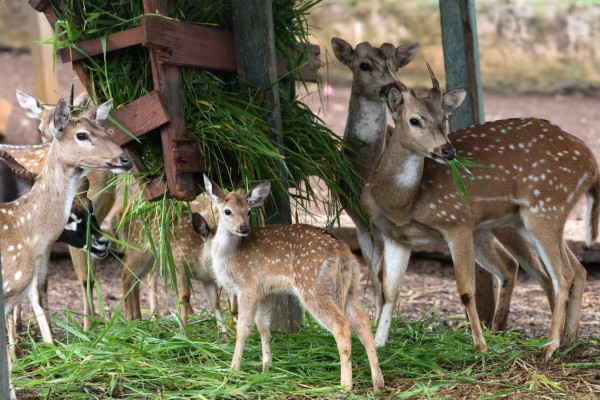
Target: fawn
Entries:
(300, 259)
(537, 172)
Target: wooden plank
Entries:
(167, 81)
(139, 117)
(44, 79)
(39, 5)
(461, 60)
(4, 375)
(254, 41)
(93, 47)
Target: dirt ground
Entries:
(429, 284)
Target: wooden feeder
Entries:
(171, 44)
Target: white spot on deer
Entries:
(10, 212)
(11, 248)
(18, 275)
(5, 227)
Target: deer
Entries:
(190, 246)
(367, 133)
(300, 259)
(536, 173)
(33, 222)
(102, 194)
(15, 181)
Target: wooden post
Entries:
(461, 60)
(254, 41)
(43, 69)
(4, 378)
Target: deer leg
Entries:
(137, 266)
(391, 274)
(247, 310)
(80, 264)
(361, 325)
(210, 288)
(527, 258)
(153, 287)
(184, 292)
(493, 257)
(263, 323)
(329, 314)
(575, 299)
(371, 247)
(39, 312)
(13, 339)
(556, 261)
(463, 255)
(11, 389)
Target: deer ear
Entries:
(395, 99)
(406, 53)
(342, 50)
(84, 186)
(30, 104)
(100, 113)
(199, 224)
(257, 196)
(452, 99)
(213, 191)
(60, 119)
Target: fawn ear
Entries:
(213, 191)
(257, 196)
(342, 50)
(30, 104)
(83, 187)
(60, 119)
(200, 226)
(395, 99)
(406, 53)
(453, 99)
(100, 113)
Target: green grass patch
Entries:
(162, 360)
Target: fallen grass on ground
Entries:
(424, 359)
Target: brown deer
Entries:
(101, 193)
(36, 220)
(190, 247)
(301, 259)
(536, 174)
(367, 132)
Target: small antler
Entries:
(392, 71)
(72, 96)
(435, 91)
(17, 168)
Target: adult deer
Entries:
(536, 174)
(101, 193)
(307, 261)
(190, 248)
(34, 222)
(367, 133)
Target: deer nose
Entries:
(245, 229)
(102, 241)
(448, 152)
(126, 161)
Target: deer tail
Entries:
(17, 168)
(593, 212)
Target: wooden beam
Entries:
(167, 81)
(254, 40)
(139, 117)
(93, 47)
(44, 78)
(461, 59)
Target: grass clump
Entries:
(161, 359)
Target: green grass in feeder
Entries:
(459, 164)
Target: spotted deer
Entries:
(300, 259)
(32, 223)
(190, 246)
(366, 134)
(536, 174)
(101, 193)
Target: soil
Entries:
(429, 284)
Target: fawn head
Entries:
(83, 142)
(234, 209)
(421, 123)
(370, 65)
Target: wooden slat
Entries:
(93, 47)
(140, 116)
(39, 5)
(167, 81)
(189, 45)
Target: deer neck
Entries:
(397, 180)
(224, 245)
(365, 131)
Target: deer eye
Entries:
(414, 122)
(227, 212)
(82, 136)
(364, 66)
